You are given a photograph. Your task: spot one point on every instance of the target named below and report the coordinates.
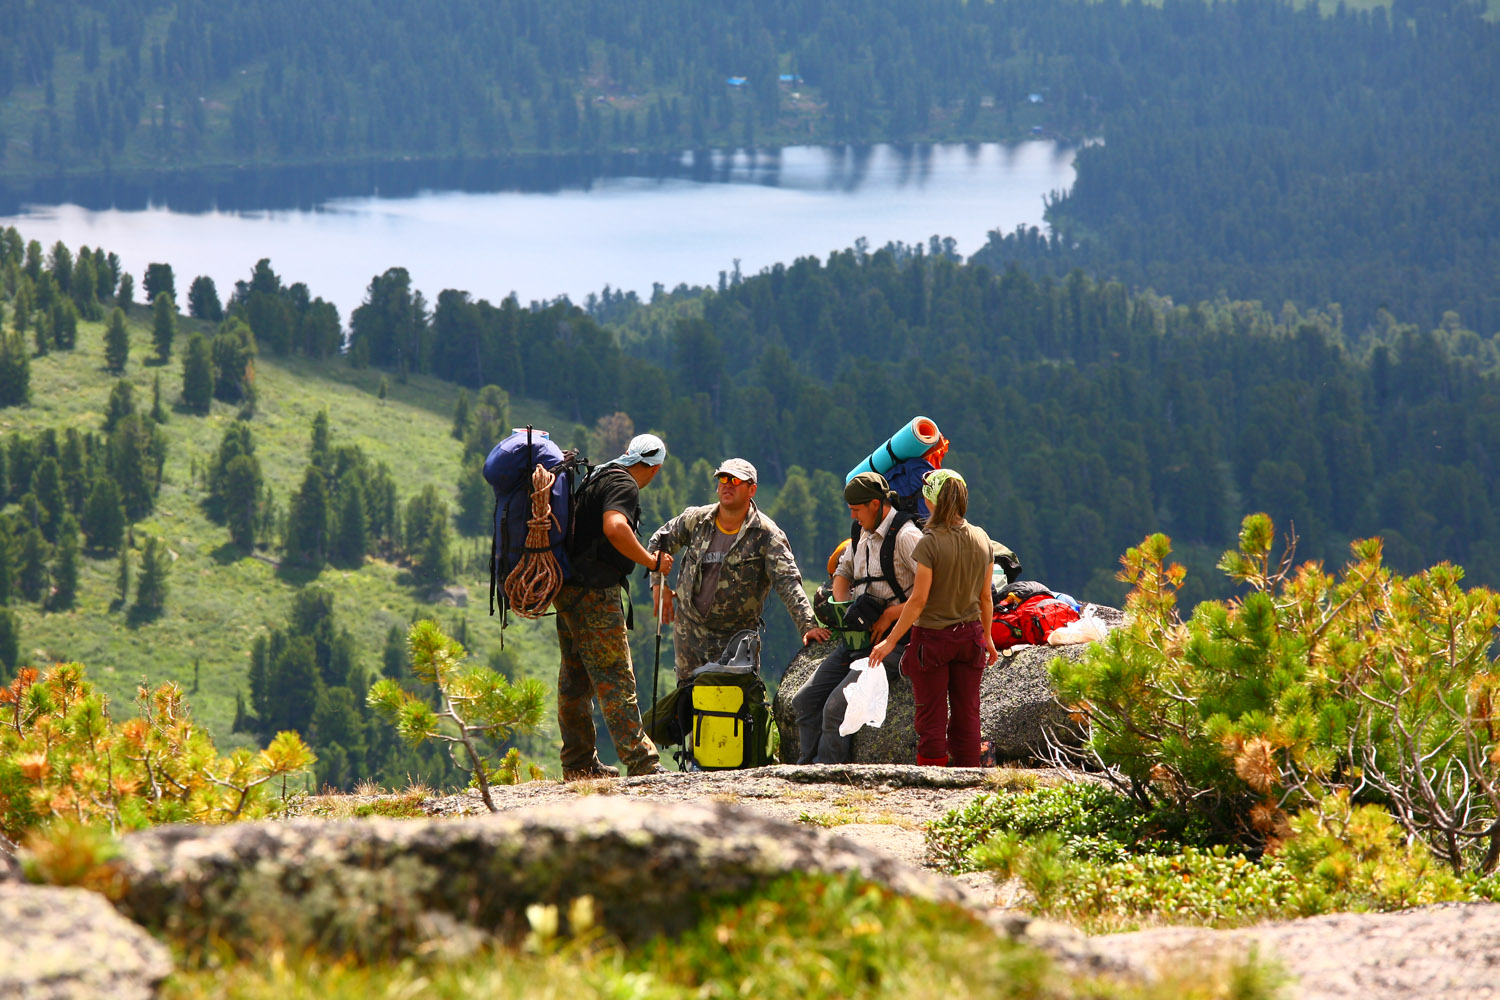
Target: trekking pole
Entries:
(659, 592)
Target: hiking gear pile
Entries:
(1027, 613)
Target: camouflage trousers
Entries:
(696, 645)
(596, 663)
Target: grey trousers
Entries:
(820, 705)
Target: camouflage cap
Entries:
(737, 467)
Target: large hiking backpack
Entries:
(1030, 622)
(720, 715)
(508, 470)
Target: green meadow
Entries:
(220, 596)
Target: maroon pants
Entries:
(946, 667)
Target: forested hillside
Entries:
(1271, 151)
(1084, 415)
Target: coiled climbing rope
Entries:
(536, 579)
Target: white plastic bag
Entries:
(1086, 629)
(867, 698)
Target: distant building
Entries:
(789, 78)
(737, 81)
(1034, 98)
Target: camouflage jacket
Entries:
(759, 559)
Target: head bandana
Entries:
(865, 487)
(932, 483)
(645, 449)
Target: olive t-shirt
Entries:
(960, 562)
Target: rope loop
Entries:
(536, 578)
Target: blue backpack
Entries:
(508, 470)
(906, 479)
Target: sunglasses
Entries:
(725, 479)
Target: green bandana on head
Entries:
(865, 487)
(932, 484)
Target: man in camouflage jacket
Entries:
(731, 556)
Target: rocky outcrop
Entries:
(1445, 952)
(385, 887)
(69, 944)
(1016, 705)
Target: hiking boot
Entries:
(653, 769)
(592, 772)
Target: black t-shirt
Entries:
(593, 560)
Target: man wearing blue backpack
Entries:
(591, 621)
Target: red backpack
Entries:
(1030, 622)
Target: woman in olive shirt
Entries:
(948, 614)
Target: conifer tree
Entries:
(159, 280)
(47, 485)
(242, 494)
(242, 722)
(65, 325)
(294, 687)
(15, 371)
(163, 325)
(158, 411)
(116, 343)
(122, 575)
(21, 307)
(61, 265)
(203, 300)
(85, 289)
(41, 334)
(394, 660)
(428, 536)
(125, 296)
(353, 539)
(197, 375)
(319, 448)
(74, 461)
(136, 453)
(104, 516)
(65, 568)
(307, 522)
(35, 552)
(10, 643)
(151, 592)
(461, 415)
(121, 404)
(475, 500)
(260, 679)
(7, 567)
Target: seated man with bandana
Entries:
(732, 555)
(859, 577)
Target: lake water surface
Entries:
(681, 221)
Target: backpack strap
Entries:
(887, 554)
(494, 554)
